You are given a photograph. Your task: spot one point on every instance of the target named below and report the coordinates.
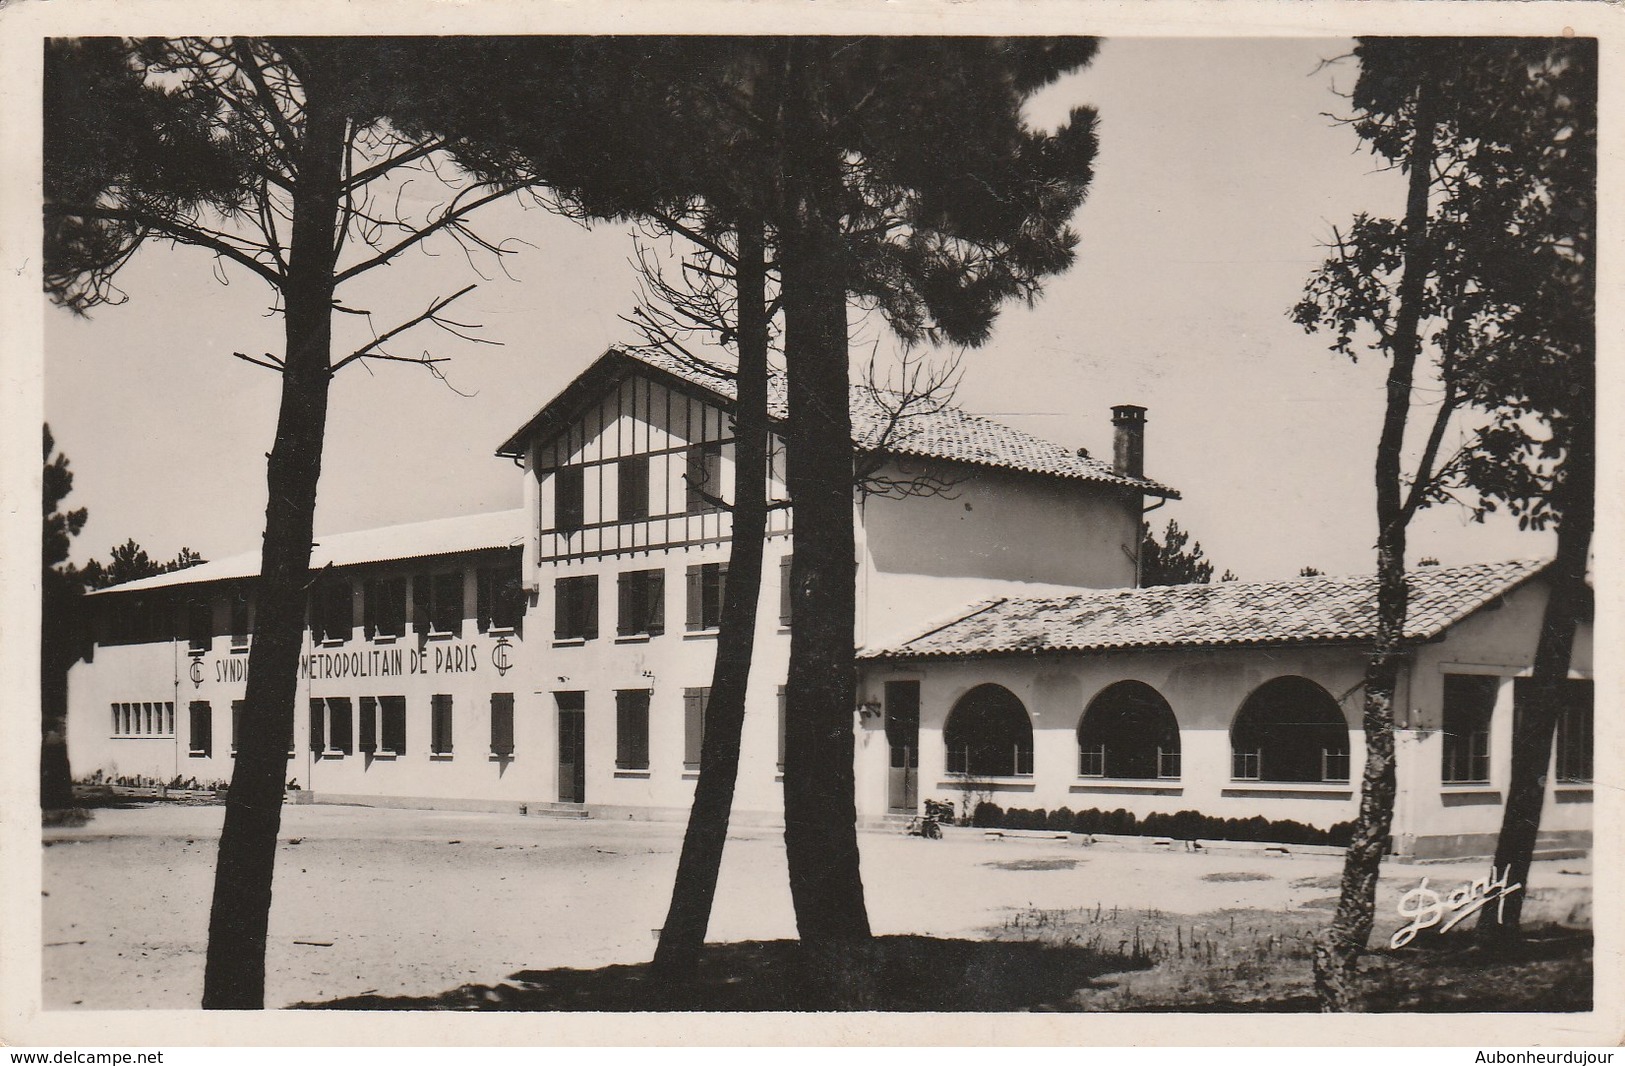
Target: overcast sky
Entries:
(1219, 176)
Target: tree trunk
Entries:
(234, 974)
(1337, 953)
(820, 818)
(683, 934)
(1535, 721)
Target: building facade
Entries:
(558, 656)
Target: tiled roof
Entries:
(946, 433)
(442, 536)
(1229, 614)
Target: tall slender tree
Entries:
(1425, 285)
(276, 157)
(897, 172)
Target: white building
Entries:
(557, 656)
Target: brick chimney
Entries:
(1128, 440)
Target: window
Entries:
(143, 719)
(1574, 733)
(569, 498)
(330, 726)
(575, 608)
(632, 729)
(988, 734)
(502, 723)
(236, 722)
(1469, 702)
(201, 742)
(384, 612)
(705, 587)
(1290, 729)
(392, 725)
(1128, 732)
(437, 602)
(200, 625)
(238, 601)
(695, 701)
(440, 725)
(331, 611)
(632, 488)
(499, 597)
(703, 478)
(786, 594)
(641, 603)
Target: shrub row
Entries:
(1182, 825)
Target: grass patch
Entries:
(1033, 864)
(1236, 875)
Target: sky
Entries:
(1219, 177)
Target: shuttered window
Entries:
(440, 725)
(632, 488)
(501, 723)
(499, 597)
(703, 478)
(781, 728)
(575, 608)
(694, 704)
(569, 498)
(200, 625)
(201, 742)
(238, 599)
(786, 598)
(384, 613)
(318, 726)
(641, 603)
(632, 729)
(1575, 736)
(368, 725)
(706, 583)
(393, 724)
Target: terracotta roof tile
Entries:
(1234, 613)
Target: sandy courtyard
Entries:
(418, 902)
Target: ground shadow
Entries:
(896, 973)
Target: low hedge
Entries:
(1182, 825)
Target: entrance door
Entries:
(903, 736)
(572, 748)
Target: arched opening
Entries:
(988, 734)
(1290, 729)
(1128, 731)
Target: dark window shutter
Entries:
(654, 590)
(627, 605)
(318, 739)
(502, 723)
(786, 600)
(237, 722)
(781, 727)
(696, 598)
(561, 608)
(632, 729)
(694, 700)
(420, 601)
(394, 725)
(341, 734)
(440, 725)
(202, 727)
(369, 724)
(589, 607)
(569, 498)
(483, 600)
(369, 608)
